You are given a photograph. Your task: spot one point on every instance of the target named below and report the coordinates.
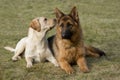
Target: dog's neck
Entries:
(37, 36)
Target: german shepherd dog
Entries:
(68, 45)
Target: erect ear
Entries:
(35, 25)
(74, 14)
(58, 13)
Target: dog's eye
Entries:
(45, 19)
(69, 25)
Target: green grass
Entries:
(100, 20)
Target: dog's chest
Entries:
(70, 54)
(38, 50)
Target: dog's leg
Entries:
(81, 61)
(29, 56)
(20, 47)
(29, 62)
(66, 66)
(18, 51)
(82, 64)
(51, 58)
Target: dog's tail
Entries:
(9, 49)
(94, 52)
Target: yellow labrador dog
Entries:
(35, 44)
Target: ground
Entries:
(100, 21)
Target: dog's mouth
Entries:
(67, 36)
(52, 27)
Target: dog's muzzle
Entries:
(54, 20)
(66, 34)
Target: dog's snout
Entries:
(63, 35)
(66, 34)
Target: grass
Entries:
(100, 20)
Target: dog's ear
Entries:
(74, 14)
(58, 13)
(35, 25)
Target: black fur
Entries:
(50, 43)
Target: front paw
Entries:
(85, 70)
(69, 70)
(56, 65)
(29, 65)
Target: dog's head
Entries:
(42, 23)
(67, 24)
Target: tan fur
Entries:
(71, 49)
(35, 25)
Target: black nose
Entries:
(66, 34)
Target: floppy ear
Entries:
(58, 13)
(35, 25)
(74, 14)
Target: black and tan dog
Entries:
(68, 45)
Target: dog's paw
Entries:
(69, 70)
(56, 65)
(14, 58)
(19, 57)
(85, 70)
(29, 65)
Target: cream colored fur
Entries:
(35, 44)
